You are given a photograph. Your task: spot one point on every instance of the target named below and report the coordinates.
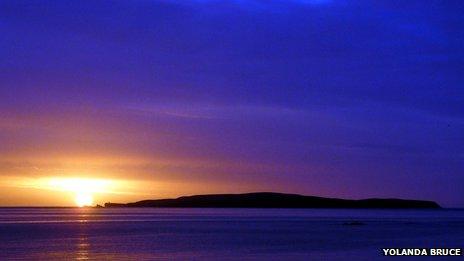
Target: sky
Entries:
(336, 98)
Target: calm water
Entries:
(221, 234)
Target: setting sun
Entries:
(82, 188)
(84, 199)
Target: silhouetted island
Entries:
(274, 200)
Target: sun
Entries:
(82, 188)
(83, 199)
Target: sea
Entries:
(223, 234)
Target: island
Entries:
(275, 200)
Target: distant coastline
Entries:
(276, 200)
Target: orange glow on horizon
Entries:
(85, 190)
(81, 190)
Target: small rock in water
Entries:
(354, 223)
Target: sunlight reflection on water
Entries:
(83, 246)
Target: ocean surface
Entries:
(221, 234)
